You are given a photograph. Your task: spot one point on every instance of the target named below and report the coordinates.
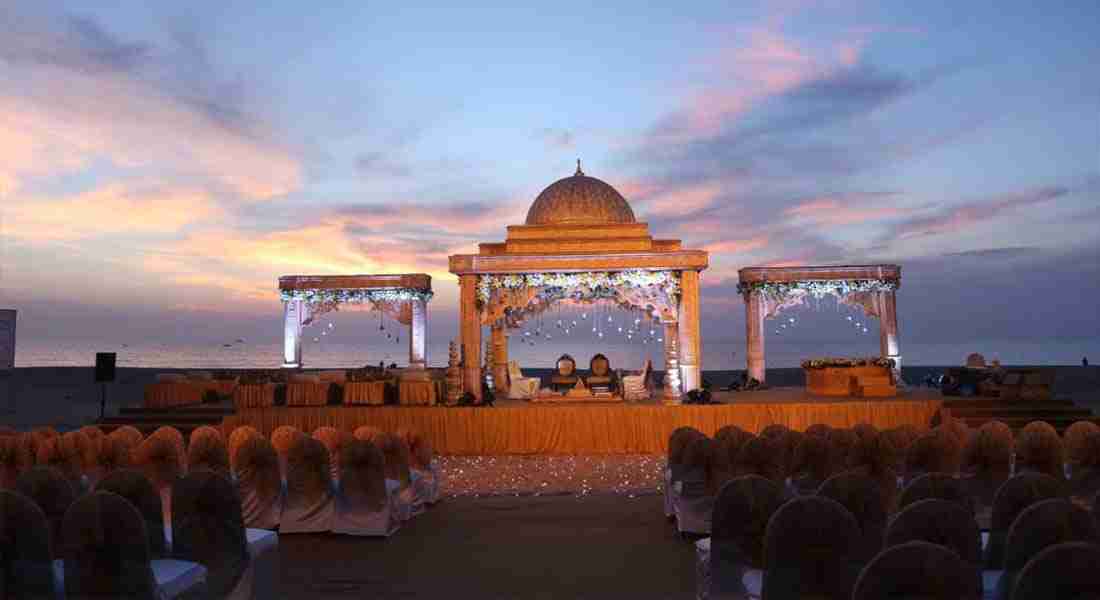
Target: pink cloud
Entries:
(832, 211)
(737, 246)
(962, 216)
(683, 201)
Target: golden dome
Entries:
(579, 199)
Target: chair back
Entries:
(810, 551)
(1074, 441)
(27, 568)
(811, 464)
(334, 440)
(1040, 526)
(1039, 449)
(308, 504)
(1015, 495)
(208, 528)
(114, 453)
(396, 452)
(157, 457)
(284, 439)
(566, 365)
(1061, 571)
(129, 434)
(760, 456)
(14, 459)
(678, 441)
(173, 436)
(258, 483)
(237, 439)
(936, 486)
(741, 513)
(138, 491)
(52, 493)
(208, 452)
(599, 366)
(105, 550)
(861, 496)
(917, 570)
(66, 453)
(939, 522)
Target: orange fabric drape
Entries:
(364, 392)
(165, 395)
(416, 392)
(307, 394)
(582, 429)
(254, 396)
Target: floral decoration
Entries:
(847, 363)
(818, 288)
(586, 285)
(356, 296)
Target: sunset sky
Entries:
(161, 164)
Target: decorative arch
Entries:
(767, 291)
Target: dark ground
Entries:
(527, 547)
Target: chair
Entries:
(52, 493)
(917, 570)
(810, 549)
(207, 451)
(760, 456)
(938, 486)
(364, 505)
(399, 475)
(636, 387)
(334, 440)
(938, 522)
(811, 465)
(258, 483)
(424, 468)
(308, 506)
(566, 375)
(1015, 495)
(987, 464)
(14, 459)
(1084, 480)
(174, 437)
(1074, 440)
(1042, 525)
(741, 514)
(105, 550)
(694, 502)
(65, 453)
(600, 376)
(284, 438)
(27, 568)
(929, 453)
(678, 441)
(158, 458)
(862, 497)
(138, 491)
(1061, 571)
(521, 388)
(1039, 449)
(208, 528)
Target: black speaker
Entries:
(104, 367)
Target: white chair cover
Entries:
(309, 506)
(255, 463)
(353, 514)
(263, 548)
(692, 505)
(522, 388)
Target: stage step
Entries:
(184, 418)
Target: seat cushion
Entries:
(261, 540)
(174, 577)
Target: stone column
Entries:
(500, 358)
(754, 334)
(691, 374)
(888, 330)
(418, 335)
(672, 363)
(470, 334)
(294, 313)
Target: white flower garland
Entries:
(668, 281)
(356, 296)
(818, 288)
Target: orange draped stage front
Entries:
(590, 429)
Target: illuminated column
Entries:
(418, 334)
(295, 312)
(470, 333)
(672, 363)
(690, 359)
(500, 358)
(754, 334)
(888, 330)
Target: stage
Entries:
(518, 427)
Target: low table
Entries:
(549, 396)
(863, 381)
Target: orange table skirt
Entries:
(254, 395)
(416, 392)
(364, 392)
(165, 395)
(220, 387)
(618, 429)
(307, 394)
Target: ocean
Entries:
(716, 355)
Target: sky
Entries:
(161, 164)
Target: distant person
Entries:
(1084, 361)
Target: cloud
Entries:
(736, 246)
(556, 139)
(112, 210)
(683, 201)
(1008, 252)
(85, 95)
(846, 209)
(962, 216)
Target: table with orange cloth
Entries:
(365, 392)
(254, 395)
(412, 393)
(166, 395)
(307, 393)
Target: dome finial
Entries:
(579, 172)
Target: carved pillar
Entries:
(295, 312)
(672, 363)
(888, 330)
(470, 333)
(500, 357)
(418, 335)
(690, 351)
(755, 308)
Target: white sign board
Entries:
(7, 338)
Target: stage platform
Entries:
(518, 427)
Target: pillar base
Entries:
(287, 365)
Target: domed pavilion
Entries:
(580, 243)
